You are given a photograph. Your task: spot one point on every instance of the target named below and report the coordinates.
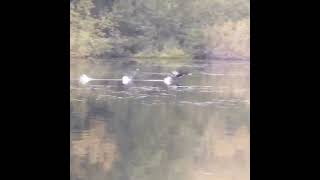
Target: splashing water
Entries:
(167, 80)
(84, 79)
(126, 80)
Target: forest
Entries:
(198, 29)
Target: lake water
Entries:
(196, 129)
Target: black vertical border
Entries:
(36, 98)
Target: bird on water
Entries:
(174, 75)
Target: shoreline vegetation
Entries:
(171, 30)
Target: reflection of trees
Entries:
(84, 107)
(95, 147)
(168, 142)
(218, 143)
(164, 141)
(225, 157)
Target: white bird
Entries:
(174, 75)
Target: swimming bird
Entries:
(180, 73)
(174, 75)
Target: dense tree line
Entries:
(158, 28)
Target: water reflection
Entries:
(198, 130)
(92, 148)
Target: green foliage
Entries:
(137, 28)
(86, 31)
(231, 38)
(173, 52)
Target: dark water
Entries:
(196, 129)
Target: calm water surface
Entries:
(196, 129)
